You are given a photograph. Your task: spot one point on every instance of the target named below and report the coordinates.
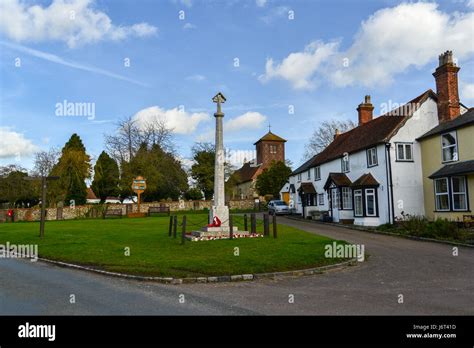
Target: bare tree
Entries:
(129, 135)
(156, 132)
(324, 135)
(45, 161)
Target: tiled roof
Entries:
(245, 173)
(339, 179)
(376, 131)
(365, 180)
(461, 121)
(307, 187)
(460, 168)
(90, 194)
(270, 137)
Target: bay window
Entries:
(441, 194)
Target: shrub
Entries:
(414, 225)
(442, 228)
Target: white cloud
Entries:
(14, 144)
(299, 68)
(189, 26)
(58, 60)
(196, 77)
(249, 120)
(262, 3)
(467, 91)
(470, 3)
(387, 43)
(180, 121)
(75, 22)
(275, 13)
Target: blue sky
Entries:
(318, 57)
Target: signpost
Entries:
(44, 188)
(138, 186)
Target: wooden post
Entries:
(266, 231)
(245, 223)
(253, 223)
(274, 226)
(231, 226)
(170, 230)
(183, 231)
(175, 227)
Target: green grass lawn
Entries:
(102, 243)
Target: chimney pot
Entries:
(365, 111)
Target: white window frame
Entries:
(455, 153)
(335, 198)
(308, 175)
(317, 173)
(273, 149)
(358, 195)
(346, 198)
(345, 165)
(404, 147)
(370, 157)
(321, 201)
(460, 193)
(442, 194)
(298, 178)
(371, 194)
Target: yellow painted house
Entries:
(448, 168)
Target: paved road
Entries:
(430, 278)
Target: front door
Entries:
(335, 204)
(286, 197)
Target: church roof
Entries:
(245, 173)
(270, 137)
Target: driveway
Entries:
(427, 275)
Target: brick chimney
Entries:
(446, 76)
(365, 111)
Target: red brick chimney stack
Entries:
(365, 111)
(446, 76)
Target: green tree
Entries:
(73, 168)
(272, 179)
(193, 194)
(165, 177)
(106, 177)
(15, 190)
(203, 168)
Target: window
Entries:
(404, 152)
(441, 194)
(317, 173)
(273, 149)
(308, 177)
(370, 208)
(358, 210)
(372, 157)
(459, 194)
(345, 167)
(321, 199)
(335, 198)
(449, 147)
(346, 198)
(299, 177)
(310, 199)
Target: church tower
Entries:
(270, 148)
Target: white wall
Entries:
(408, 176)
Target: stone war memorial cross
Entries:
(219, 214)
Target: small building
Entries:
(91, 198)
(269, 148)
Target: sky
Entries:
(287, 64)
